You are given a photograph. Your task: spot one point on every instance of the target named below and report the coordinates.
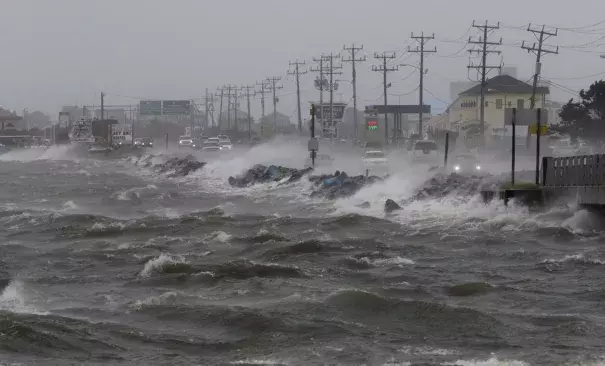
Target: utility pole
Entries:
(539, 50)
(192, 115)
(263, 90)
(228, 107)
(384, 69)
(353, 60)
(484, 51)
(102, 105)
(331, 85)
(220, 111)
(297, 73)
(235, 105)
(212, 110)
(209, 103)
(248, 88)
(273, 87)
(422, 40)
(320, 85)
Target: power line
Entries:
(297, 73)
(422, 40)
(584, 27)
(384, 69)
(585, 45)
(484, 51)
(578, 77)
(353, 60)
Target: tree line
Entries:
(585, 118)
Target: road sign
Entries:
(176, 107)
(339, 111)
(533, 129)
(525, 117)
(150, 108)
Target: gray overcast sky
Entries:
(58, 52)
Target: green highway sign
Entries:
(150, 108)
(176, 107)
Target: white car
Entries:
(185, 141)
(225, 143)
(466, 163)
(375, 157)
(211, 145)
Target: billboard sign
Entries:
(372, 125)
(150, 108)
(64, 119)
(176, 107)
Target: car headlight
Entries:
(456, 167)
(478, 167)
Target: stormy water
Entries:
(143, 260)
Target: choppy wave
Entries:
(131, 264)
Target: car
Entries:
(425, 152)
(143, 142)
(466, 163)
(375, 157)
(211, 145)
(225, 143)
(185, 141)
(197, 143)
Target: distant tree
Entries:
(585, 119)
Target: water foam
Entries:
(158, 263)
(55, 152)
(14, 298)
(490, 362)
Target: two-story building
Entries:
(501, 92)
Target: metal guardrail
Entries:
(574, 171)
